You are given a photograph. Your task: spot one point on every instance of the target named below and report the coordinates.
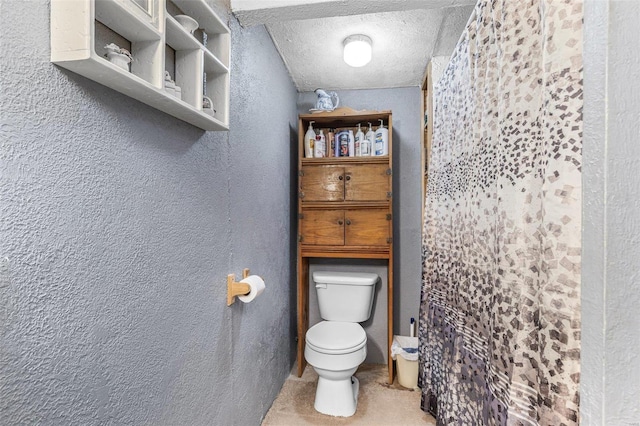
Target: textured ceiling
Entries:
(406, 33)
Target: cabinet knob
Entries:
(348, 177)
(339, 222)
(340, 177)
(348, 222)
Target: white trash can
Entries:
(404, 350)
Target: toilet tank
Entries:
(345, 296)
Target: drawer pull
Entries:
(348, 177)
(339, 222)
(340, 177)
(348, 222)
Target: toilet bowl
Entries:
(337, 346)
(335, 350)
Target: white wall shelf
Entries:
(199, 64)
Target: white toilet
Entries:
(337, 346)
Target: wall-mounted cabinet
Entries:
(197, 62)
(344, 210)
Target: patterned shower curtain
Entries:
(500, 308)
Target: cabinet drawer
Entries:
(322, 227)
(366, 182)
(322, 183)
(367, 227)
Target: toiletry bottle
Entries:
(331, 143)
(370, 142)
(309, 141)
(359, 141)
(382, 140)
(342, 143)
(320, 147)
(352, 143)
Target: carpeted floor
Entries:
(378, 403)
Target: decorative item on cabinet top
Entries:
(327, 101)
(149, 29)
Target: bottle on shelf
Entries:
(382, 140)
(309, 141)
(360, 142)
(331, 143)
(342, 144)
(352, 143)
(320, 146)
(370, 141)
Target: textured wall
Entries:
(610, 295)
(404, 103)
(118, 226)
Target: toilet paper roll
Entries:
(257, 287)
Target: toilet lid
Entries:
(335, 337)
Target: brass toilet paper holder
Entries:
(235, 288)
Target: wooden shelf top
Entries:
(381, 159)
(345, 115)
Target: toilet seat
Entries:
(335, 337)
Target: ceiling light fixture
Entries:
(357, 50)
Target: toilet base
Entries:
(337, 397)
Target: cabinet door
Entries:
(366, 182)
(322, 183)
(367, 227)
(322, 227)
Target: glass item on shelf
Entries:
(207, 106)
(118, 56)
(187, 22)
(169, 84)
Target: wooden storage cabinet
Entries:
(359, 227)
(321, 184)
(367, 227)
(344, 210)
(322, 227)
(358, 182)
